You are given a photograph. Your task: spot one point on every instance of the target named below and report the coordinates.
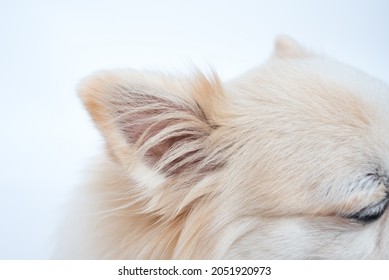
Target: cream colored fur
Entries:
(288, 161)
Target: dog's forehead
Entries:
(305, 100)
(372, 95)
(319, 76)
(337, 76)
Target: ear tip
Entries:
(93, 84)
(92, 91)
(285, 46)
(283, 40)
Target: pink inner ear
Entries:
(167, 134)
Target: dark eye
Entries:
(371, 213)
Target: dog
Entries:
(288, 161)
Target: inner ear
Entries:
(152, 118)
(168, 133)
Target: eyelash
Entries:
(371, 213)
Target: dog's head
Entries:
(290, 160)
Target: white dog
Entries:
(288, 161)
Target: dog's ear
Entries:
(154, 118)
(286, 47)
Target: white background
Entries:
(46, 47)
(279, 270)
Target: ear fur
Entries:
(286, 47)
(154, 118)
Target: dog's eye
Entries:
(371, 213)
